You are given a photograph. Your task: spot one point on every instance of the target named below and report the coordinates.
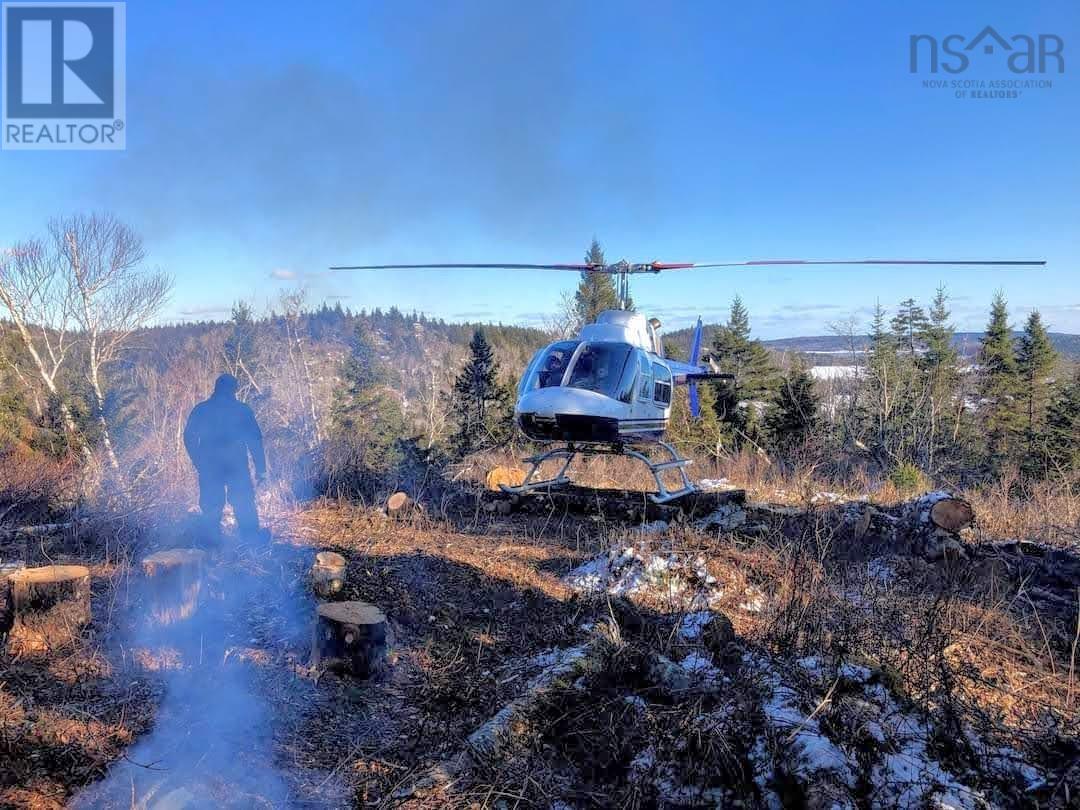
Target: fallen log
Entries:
(175, 578)
(50, 606)
(491, 738)
(351, 635)
(41, 530)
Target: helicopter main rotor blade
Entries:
(470, 266)
(658, 266)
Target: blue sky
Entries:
(267, 141)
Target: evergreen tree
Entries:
(596, 292)
(240, 344)
(738, 403)
(939, 364)
(937, 335)
(795, 414)
(1035, 360)
(908, 325)
(480, 404)
(998, 382)
(366, 421)
(882, 365)
(706, 436)
(1059, 440)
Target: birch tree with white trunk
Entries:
(113, 295)
(38, 298)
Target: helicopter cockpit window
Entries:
(645, 380)
(548, 367)
(599, 367)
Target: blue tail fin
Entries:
(695, 355)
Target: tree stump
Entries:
(7, 612)
(50, 606)
(940, 510)
(328, 574)
(399, 505)
(934, 520)
(175, 580)
(510, 476)
(351, 635)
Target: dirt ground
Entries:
(465, 607)
(475, 603)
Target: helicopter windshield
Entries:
(599, 367)
(549, 366)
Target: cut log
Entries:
(350, 635)
(952, 514)
(399, 505)
(41, 530)
(498, 476)
(175, 580)
(51, 605)
(328, 574)
(940, 510)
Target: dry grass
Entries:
(473, 597)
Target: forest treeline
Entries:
(357, 401)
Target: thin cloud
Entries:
(282, 274)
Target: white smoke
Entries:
(212, 741)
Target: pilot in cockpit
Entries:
(553, 371)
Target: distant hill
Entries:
(834, 346)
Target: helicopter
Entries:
(608, 391)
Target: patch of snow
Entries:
(813, 665)
(833, 372)
(855, 673)
(546, 658)
(725, 518)
(881, 569)
(814, 751)
(693, 624)
(826, 497)
(1008, 761)
(644, 761)
(700, 666)
(910, 776)
(762, 762)
(625, 572)
(714, 484)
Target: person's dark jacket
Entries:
(220, 433)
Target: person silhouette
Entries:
(219, 436)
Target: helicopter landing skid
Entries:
(570, 452)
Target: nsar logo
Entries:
(63, 76)
(954, 54)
